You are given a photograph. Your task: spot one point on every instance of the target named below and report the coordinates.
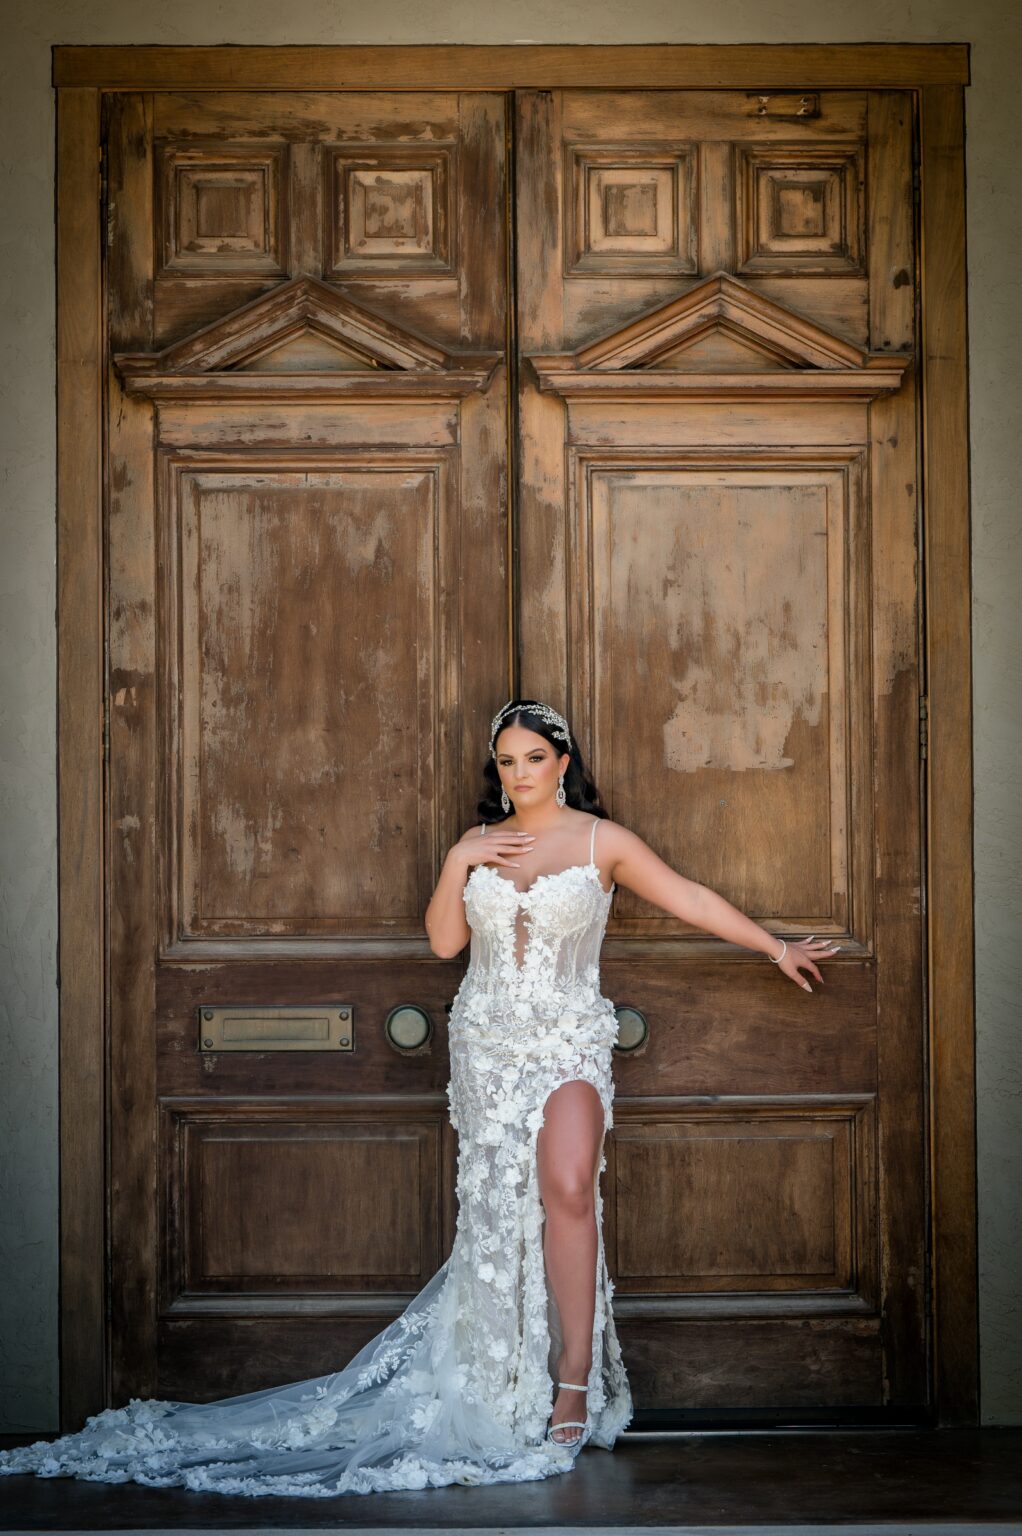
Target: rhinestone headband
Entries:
(558, 724)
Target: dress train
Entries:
(459, 1388)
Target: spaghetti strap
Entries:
(592, 839)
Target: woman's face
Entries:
(529, 767)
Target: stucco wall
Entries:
(28, 1044)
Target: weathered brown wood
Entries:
(780, 334)
(373, 1067)
(305, 210)
(737, 1163)
(207, 1357)
(308, 550)
(486, 461)
(949, 829)
(357, 1182)
(770, 155)
(850, 384)
(646, 422)
(263, 387)
(82, 933)
(690, 1050)
(709, 1364)
(774, 510)
(894, 666)
(309, 161)
(251, 335)
(753, 67)
(132, 680)
(228, 877)
(541, 661)
(370, 424)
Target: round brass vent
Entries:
(632, 1029)
(408, 1027)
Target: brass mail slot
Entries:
(298, 1027)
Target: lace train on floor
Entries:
(459, 1388)
(397, 1416)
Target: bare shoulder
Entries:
(616, 839)
(476, 831)
(617, 847)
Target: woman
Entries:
(459, 1389)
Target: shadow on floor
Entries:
(932, 1480)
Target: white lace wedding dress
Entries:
(459, 1388)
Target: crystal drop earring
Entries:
(560, 796)
(505, 802)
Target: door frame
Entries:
(936, 74)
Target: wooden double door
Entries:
(606, 397)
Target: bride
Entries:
(508, 1361)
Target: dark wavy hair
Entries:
(579, 785)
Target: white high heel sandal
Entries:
(570, 1445)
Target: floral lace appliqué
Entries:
(458, 1389)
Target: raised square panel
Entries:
(799, 208)
(390, 209)
(629, 209)
(221, 210)
(632, 209)
(299, 1199)
(749, 1199)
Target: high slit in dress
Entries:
(459, 1388)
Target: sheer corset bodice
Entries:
(531, 993)
(540, 944)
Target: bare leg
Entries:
(568, 1150)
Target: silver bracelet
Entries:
(776, 959)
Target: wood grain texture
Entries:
(738, 622)
(541, 662)
(893, 670)
(712, 1032)
(483, 425)
(711, 1364)
(132, 683)
(783, 1195)
(80, 690)
(295, 472)
(754, 67)
(299, 1201)
(949, 830)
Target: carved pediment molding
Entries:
(305, 338)
(720, 340)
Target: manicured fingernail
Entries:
(807, 986)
